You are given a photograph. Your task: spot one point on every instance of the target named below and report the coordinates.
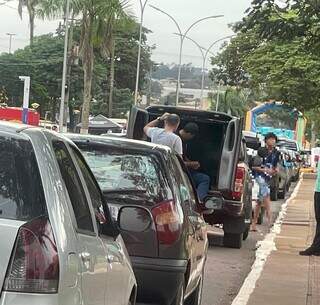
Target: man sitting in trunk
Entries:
(201, 180)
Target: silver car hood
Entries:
(8, 234)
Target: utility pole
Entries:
(26, 94)
(110, 106)
(142, 9)
(64, 70)
(10, 40)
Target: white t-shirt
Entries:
(162, 137)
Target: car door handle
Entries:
(85, 256)
(86, 259)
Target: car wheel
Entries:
(261, 216)
(246, 233)
(233, 240)
(196, 297)
(274, 194)
(282, 194)
(179, 299)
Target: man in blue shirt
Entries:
(314, 249)
(263, 174)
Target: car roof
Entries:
(13, 129)
(117, 142)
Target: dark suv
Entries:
(221, 151)
(163, 229)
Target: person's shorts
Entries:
(264, 189)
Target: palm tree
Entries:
(232, 101)
(98, 21)
(31, 7)
(98, 18)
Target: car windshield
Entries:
(130, 172)
(21, 192)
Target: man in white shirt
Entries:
(165, 136)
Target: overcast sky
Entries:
(167, 45)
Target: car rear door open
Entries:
(137, 120)
(230, 154)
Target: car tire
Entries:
(179, 298)
(261, 216)
(233, 240)
(196, 297)
(274, 194)
(246, 233)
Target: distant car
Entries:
(289, 144)
(59, 244)
(280, 183)
(162, 226)
(221, 152)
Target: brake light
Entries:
(168, 222)
(239, 183)
(34, 265)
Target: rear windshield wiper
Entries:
(124, 190)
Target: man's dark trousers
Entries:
(316, 242)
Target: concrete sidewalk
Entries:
(287, 278)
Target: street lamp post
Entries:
(142, 9)
(182, 38)
(205, 53)
(64, 70)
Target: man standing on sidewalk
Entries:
(314, 249)
(263, 175)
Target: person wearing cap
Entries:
(201, 180)
(167, 135)
(263, 175)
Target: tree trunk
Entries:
(313, 134)
(111, 79)
(88, 71)
(31, 23)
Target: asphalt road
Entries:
(226, 269)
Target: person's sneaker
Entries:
(310, 251)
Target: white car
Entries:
(59, 245)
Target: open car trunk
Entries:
(216, 147)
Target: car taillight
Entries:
(168, 222)
(239, 183)
(34, 265)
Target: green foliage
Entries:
(275, 53)
(43, 62)
(232, 101)
(122, 101)
(228, 66)
(287, 72)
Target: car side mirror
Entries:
(109, 229)
(134, 219)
